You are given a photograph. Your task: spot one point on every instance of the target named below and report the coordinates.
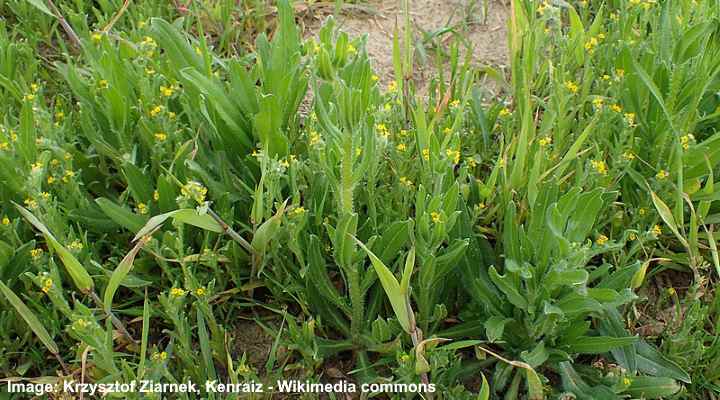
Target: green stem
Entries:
(357, 302)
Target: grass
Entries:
(168, 176)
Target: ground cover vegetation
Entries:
(174, 174)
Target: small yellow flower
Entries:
(142, 208)
(314, 138)
(200, 292)
(36, 167)
(471, 162)
(435, 217)
(6, 221)
(29, 97)
(13, 136)
(571, 86)
(68, 156)
(626, 381)
(76, 245)
(600, 166)
(156, 110)
(598, 103)
(45, 195)
(149, 71)
(401, 147)
(403, 132)
(685, 140)
(620, 72)
(96, 37)
(642, 211)
(177, 292)
(426, 154)
(632, 236)
(69, 174)
(299, 210)
(656, 230)
(630, 119)
(351, 49)
(628, 155)
(375, 78)
(504, 112)
(382, 130)
(544, 141)
(405, 181)
(392, 87)
(36, 253)
(55, 162)
(194, 190)
(447, 130)
(103, 84)
(148, 41)
(616, 108)
(454, 154)
(31, 203)
(59, 116)
(166, 91)
(662, 174)
(4, 146)
(159, 356)
(358, 151)
(455, 103)
(160, 136)
(156, 195)
(34, 87)
(601, 240)
(606, 77)
(47, 285)
(671, 291)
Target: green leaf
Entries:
(121, 215)
(398, 299)
(41, 6)
(652, 387)
(652, 362)
(484, 389)
(77, 272)
(31, 319)
(598, 344)
(119, 275)
(266, 232)
(667, 217)
(185, 215)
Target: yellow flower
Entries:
(616, 108)
(142, 208)
(160, 136)
(642, 211)
(194, 190)
(68, 175)
(447, 130)
(504, 112)
(55, 162)
(156, 110)
(156, 195)
(96, 37)
(34, 87)
(166, 91)
(662, 174)
(103, 84)
(59, 116)
(671, 291)
(76, 245)
(375, 78)
(626, 381)
(656, 230)
(471, 162)
(426, 154)
(36, 167)
(45, 195)
(599, 166)
(382, 130)
(401, 147)
(455, 103)
(571, 86)
(36, 253)
(6, 221)
(200, 292)
(159, 356)
(4, 145)
(31, 203)
(620, 72)
(403, 132)
(630, 119)
(392, 86)
(68, 156)
(29, 97)
(148, 41)
(177, 292)
(685, 140)
(13, 136)
(454, 154)
(544, 141)
(436, 217)
(601, 240)
(358, 151)
(606, 77)
(314, 138)
(598, 102)
(351, 49)
(628, 155)
(405, 181)
(632, 236)
(299, 210)
(47, 285)
(149, 71)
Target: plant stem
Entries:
(115, 321)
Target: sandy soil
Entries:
(376, 18)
